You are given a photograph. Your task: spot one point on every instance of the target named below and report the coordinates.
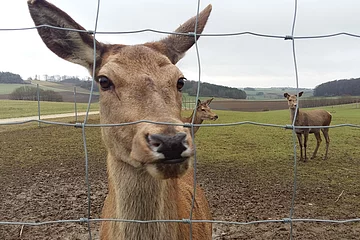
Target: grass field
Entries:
(246, 171)
(13, 109)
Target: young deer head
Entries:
(204, 110)
(145, 161)
(292, 99)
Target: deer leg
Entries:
(325, 131)
(299, 136)
(306, 135)
(318, 141)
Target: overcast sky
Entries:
(241, 61)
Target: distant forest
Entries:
(8, 77)
(212, 90)
(338, 88)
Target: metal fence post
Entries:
(38, 99)
(76, 117)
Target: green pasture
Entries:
(17, 108)
(267, 153)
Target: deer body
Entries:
(317, 117)
(149, 166)
(202, 112)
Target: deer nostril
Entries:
(154, 141)
(172, 147)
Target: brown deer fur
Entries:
(317, 117)
(138, 82)
(203, 112)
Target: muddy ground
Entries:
(42, 178)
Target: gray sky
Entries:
(241, 61)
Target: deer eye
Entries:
(105, 83)
(180, 83)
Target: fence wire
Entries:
(191, 125)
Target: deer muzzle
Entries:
(172, 149)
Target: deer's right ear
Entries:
(209, 101)
(286, 95)
(175, 46)
(76, 47)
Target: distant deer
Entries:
(203, 112)
(149, 166)
(318, 117)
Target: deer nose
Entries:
(173, 148)
(216, 117)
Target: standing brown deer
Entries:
(150, 174)
(317, 117)
(202, 112)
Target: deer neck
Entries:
(197, 120)
(292, 115)
(136, 195)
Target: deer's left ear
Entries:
(175, 46)
(300, 94)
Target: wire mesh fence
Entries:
(187, 105)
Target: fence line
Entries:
(285, 37)
(191, 125)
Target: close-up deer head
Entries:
(137, 82)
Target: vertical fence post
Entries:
(38, 99)
(76, 117)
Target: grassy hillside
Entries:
(273, 93)
(9, 88)
(57, 87)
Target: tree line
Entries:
(8, 77)
(212, 90)
(338, 88)
(30, 93)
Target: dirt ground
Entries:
(43, 180)
(58, 191)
